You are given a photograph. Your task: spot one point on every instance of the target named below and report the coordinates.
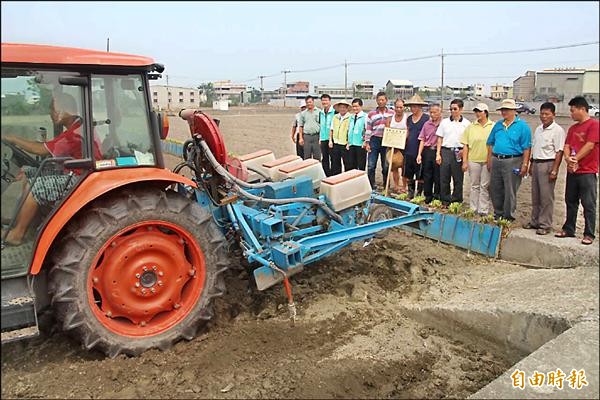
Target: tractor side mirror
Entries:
(163, 125)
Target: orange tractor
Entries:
(85, 208)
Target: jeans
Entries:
(581, 187)
(377, 151)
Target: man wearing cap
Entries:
(451, 150)
(474, 157)
(509, 147)
(374, 136)
(296, 130)
(325, 118)
(546, 155)
(414, 124)
(338, 138)
(310, 129)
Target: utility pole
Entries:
(168, 94)
(345, 79)
(285, 72)
(261, 87)
(107, 44)
(442, 88)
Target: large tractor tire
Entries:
(137, 270)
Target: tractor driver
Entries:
(46, 189)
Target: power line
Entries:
(485, 53)
(395, 61)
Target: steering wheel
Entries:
(20, 156)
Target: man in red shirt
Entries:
(48, 188)
(581, 155)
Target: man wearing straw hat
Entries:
(338, 138)
(509, 148)
(415, 123)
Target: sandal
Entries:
(587, 240)
(562, 234)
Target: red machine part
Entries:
(204, 126)
(237, 168)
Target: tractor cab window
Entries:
(121, 121)
(42, 126)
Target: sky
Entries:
(207, 41)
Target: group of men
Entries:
(438, 151)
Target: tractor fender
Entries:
(93, 186)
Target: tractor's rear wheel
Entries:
(137, 270)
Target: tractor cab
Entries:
(66, 114)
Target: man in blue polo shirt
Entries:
(325, 119)
(509, 147)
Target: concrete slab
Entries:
(525, 246)
(576, 349)
(547, 319)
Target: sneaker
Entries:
(543, 231)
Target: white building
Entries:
(228, 90)
(336, 92)
(175, 97)
(402, 89)
(479, 89)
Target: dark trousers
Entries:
(299, 148)
(430, 174)
(326, 160)
(451, 169)
(504, 185)
(312, 149)
(357, 158)
(581, 187)
(339, 154)
(377, 151)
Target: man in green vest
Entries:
(357, 155)
(325, 118)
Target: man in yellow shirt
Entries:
(474, 139)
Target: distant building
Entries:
(499, 92)
(427, 89)
(479, 89)
(401, 89)
(298, 87)
(562, 84)
(459, 91)
(363, 89)
(524, 87)
(336, 92)
(175, 97)
(228, 90)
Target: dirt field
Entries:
(352, 338)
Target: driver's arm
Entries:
(30, 146)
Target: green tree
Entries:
(255, 96)
(389, 92)
(208, 90)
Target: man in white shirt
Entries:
(449, 149)
(546, 155)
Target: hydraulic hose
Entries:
(238, 182)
